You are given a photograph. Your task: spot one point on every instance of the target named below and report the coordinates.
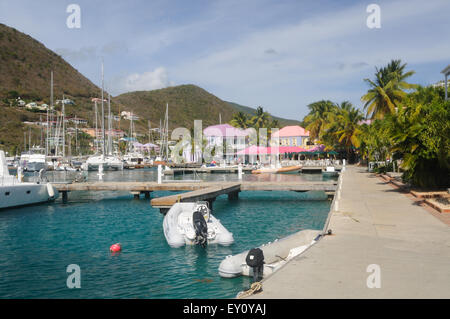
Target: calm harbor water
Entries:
(39, 242)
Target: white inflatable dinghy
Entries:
(276, 254)
(193, 224)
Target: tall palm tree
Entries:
(349, 133)
(315, 121)
(386, 91)
(241, 120)
(261, 118)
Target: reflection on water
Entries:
(150, 175)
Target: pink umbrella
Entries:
(254, 150)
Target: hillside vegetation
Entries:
(26, 65)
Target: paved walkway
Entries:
(375, 224)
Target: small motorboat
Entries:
(280, 170)
(193, 224)
(273, 255)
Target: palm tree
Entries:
(386, 91)
(315, 121)
(241, 120)
(261, 119)
(349, 131)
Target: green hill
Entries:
(26, 64)
(186, 104)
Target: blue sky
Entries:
(281, 55)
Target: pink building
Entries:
(292, 136)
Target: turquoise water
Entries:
(39, 242)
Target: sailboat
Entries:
(32, 160)
(132, 157)
(163, 157)
(106, 159)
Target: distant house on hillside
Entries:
(293, 136)
(34, 106)
(129, 116)
(65, 101)
(31, 105)
(77, 120)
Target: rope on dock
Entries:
(254, 288)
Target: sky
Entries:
(278, 54)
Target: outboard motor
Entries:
(201, 229)
(255, 259)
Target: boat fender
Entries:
(115, 248)
(51, 191)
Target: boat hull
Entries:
(276, 254)
(283, 170)
(22, 194)
(106, 167)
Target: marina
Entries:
(178, 150)
(85, 226)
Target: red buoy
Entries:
(115, 248)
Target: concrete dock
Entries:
(383, 245)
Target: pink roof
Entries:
(224, 130)
(291, 131)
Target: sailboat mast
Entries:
(51, 106)
(103, 117)
(96, 126)
(63, 129)
(109, 126)
(167, 131)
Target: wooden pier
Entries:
(328, 186)
(197, 190)
(208, 194)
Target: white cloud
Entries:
(151, 80)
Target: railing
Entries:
(324, 162)
(8, 181)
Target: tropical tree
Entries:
(420, 134)
(316, 119)
(241, 120)
(387, 90)
(341, 128)
(261, 119)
